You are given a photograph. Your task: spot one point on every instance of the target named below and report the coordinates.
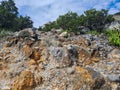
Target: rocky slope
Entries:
(50, 61)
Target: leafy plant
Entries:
(69, 22)
(113, 37)
(49, 26)
(10, 18)
(96, 20)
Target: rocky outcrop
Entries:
(55, 62)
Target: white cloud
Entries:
(113, 10)
(42, 11)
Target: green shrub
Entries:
(96, 20)
(113, 37)
(49, 26)
(69, 21)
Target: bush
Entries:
(113, 37)
(11, 19)
(69, 22)
(92, 19)
(49, 26)
(96, 20)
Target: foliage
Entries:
(9, 18)
(92, 19)
(113, 37)
(69, 21)
(49, 26)
(96, 20)
(8, 13)
(24, 22)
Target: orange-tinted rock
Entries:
(27, 50)
(83, 55)
(95, 59)
(38, 79)
(36, 55)
(32, 62)
(84, 74)
(89, 78)
(24, 82)
(114, 54)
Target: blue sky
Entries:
(43, 11)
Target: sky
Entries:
(43, 11)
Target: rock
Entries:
(114, 54)
(78, 62)
(59, 57)
(32, 62)
(27, 50)
(72, 52)
(84, 30)
(36, 54)
(57, 30)
(28, 32)
(64, 34)
(89, 78)
(114, 26)
(114, 78)
(83, 55)
(25, 81)
(50, 41)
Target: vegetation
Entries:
(49, 26)
(96, 20)
(92, 19)
(9, 18)
(69, 22)
(113, 37)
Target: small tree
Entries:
(8, 14)
(96, 20)
(69, 21)
(24, 22)
(49, 26)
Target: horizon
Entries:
(42, 12)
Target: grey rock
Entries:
(59, 57)
(114, 77)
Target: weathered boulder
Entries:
(83, 55)
(24, 82)
(59, 57)
(27, 50)
(114, 54)
(64, 34)
(28, 32)
(114, 77)
(88, 79)
(114, 26)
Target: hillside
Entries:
(51, 61)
